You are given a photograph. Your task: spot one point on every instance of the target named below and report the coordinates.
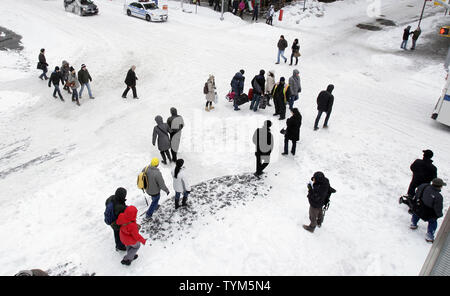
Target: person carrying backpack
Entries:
(318, 191)
(155, 185)
(180, 184)
(129, 234)
(115, 205)
(428, 204)
(423, 171)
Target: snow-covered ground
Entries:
(59, 162)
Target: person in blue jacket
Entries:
(237, 86)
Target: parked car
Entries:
(81, 7)
(146, 10)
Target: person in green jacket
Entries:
(415, 36)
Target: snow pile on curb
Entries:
(294, 13)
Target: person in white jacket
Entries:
(270, 83)
(180, 184)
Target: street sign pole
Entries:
(221, 16)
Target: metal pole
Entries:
(304, 5)
(421, 15)
(221, 17)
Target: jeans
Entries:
(74, 94)
(153, 205)
(432, 225)
(255, 102)
(291, 101)
(319, 114)
(57, 91)
(281, 53)
(88, 87)
(286, 145)
(44, 73)
(255, 13)
(403, 45)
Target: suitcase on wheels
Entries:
(263, 102)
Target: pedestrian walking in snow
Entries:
(161, 132)
(180, 184)
(292, 131)
(129, 234)
(241, 8)
(42, 65)
(211, 92)
(281, 92)
(55, 78)
(216, 5)
(423, 171)
(130, 81)
(295, 52)
(429, 201)
(415, 36)
(325, 102)
(176, 124)
(295, 86)
(255, 10)
(65, 71)
(258, 84)
(115, 205)
(270, 83)
(319, 190)
(72, 82)
(270, 14)
(155, 185)
(406, 34)
(263, 140)
(84, 78)
(282, 45)
(237, 86)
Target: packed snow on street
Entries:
(59, 162)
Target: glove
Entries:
(309, 186)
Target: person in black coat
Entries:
(406, 34)
(280, 93)
(263, 140)
(325, 102)
(292, 131)
(295, 52)
(318, 191)
(42, 65)
(130, 81)
(55, 78)
(258, 84)
(237, 86)
(118, 200)
(423, 171)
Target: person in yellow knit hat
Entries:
(154, 187)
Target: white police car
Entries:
(81, 7)
(146, 10)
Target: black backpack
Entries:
(326, 202)
(205, 88)
(110, 217)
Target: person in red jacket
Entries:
(129, 234)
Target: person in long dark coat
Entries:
(280, 93)
(118, 200)
(161, 133)
(423, 171)
(406, 34)
(130, 81)
(325, 102)
(292, 132)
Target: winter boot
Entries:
(184, 202)
(413, 227)
(429, 238)
(207, 109)
(308, 228)
(121, 249)
(125, 262)
(78, 102)
(135, 257)
(316, 128)
(177, 204)
(211, 107)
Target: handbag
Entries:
(297, 54)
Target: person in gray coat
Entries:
(296, 88)
(430, 206)
(161, 132)
(72, 82)
(154, 187)
(176, 124)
